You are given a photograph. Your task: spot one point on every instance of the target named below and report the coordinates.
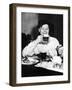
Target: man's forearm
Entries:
(29, 50)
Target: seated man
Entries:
(43, 44)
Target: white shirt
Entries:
(36, 48)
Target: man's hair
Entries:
(41, 26)
(44, 24)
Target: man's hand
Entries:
(39, 39)
(60, 51)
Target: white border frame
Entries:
(39, 79)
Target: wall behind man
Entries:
(4, 45)
(29, 21)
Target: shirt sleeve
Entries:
(29, 49)
(51, 47)
(54, 43)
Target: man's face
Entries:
(44, 30)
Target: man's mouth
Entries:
(45, 33)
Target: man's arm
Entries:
(51, 47)
(53, 43)
(29, 49)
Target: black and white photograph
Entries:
(41, 44)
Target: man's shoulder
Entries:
(53, 39)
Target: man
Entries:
(43, 44)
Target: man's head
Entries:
(44, 29)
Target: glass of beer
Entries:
(45, 39)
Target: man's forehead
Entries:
(45, 26)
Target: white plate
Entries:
(30, 61)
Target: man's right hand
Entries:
(39, 39)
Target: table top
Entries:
(43, 64)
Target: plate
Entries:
(30, 61)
